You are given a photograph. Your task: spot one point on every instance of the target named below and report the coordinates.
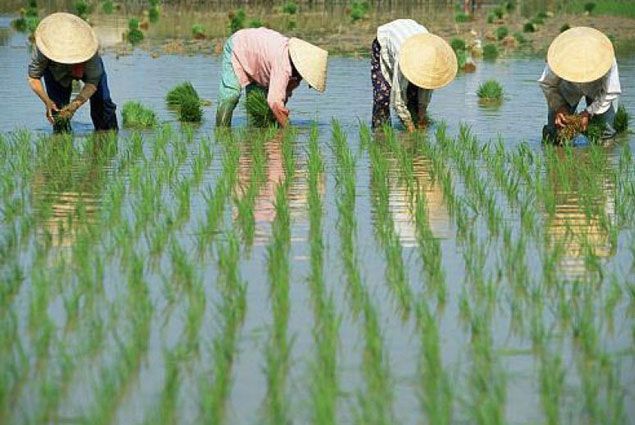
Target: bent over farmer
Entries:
(66, 50)
(580, 63)
(407, 63)
(263, 57)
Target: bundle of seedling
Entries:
(137, 116)
(184, 99)
(490, 92)
(258, 111)
(134, 34)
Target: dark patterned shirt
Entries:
(62, 73)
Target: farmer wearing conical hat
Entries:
(263, 57)
(580, 63)
(407, 64)
(66, 50)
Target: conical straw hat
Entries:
(580, 55)
(310, 61)
(427, 61)
(66, 38)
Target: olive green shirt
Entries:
(62, 73)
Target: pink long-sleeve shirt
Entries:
(261, 56)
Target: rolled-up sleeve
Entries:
(38, 64)
(278, 83)
(93, 70)
(549, 83)
(398, 97)
(610, 91)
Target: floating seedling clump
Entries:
(258, 111)
(490, 92)
(186, 101)
(501, 32)
(490, 52)
(137, 116)
(134, 34)
(198, 31)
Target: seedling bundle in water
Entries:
(574, 127)
(135, 115)
(61, 124)
(490, 91)
(186, 100)
(258, 111)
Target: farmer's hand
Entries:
(69, 110)
(561, 117)
(50, 108)
(585, 120)
(281, 113)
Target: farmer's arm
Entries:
(37, 66)
(93, 71)
(277, 95)
(399, 100)
(423, 100)
(550, 85)
(611, 90)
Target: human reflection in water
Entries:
(264, 212)
(67, 185)
(401, 204)
(583, 211)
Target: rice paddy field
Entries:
(325, 274)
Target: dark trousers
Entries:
(382, 88)
(102, 108)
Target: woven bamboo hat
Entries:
(581, 55)
(427, 61)
(310, 61)
(66, 38)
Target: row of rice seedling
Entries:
(376, 397)
(324, 371)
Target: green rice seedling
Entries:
(107, 7)
(520, 38)
(134, 34)
(190, 110)
(490, 52)
(538, 20)
(258, 110)
(82, 8)
(564, 27)
(436, 391)
(255, 23)
(498, 12)
(490, 91)
(621, 119)
(181, 93)
(198, 31)
(359, 10)
(154, 14)
(529, 27)
(135, 115)
(458, 44)
(290, 8)
(542, 15)
(501, 32)
(589, 7)
(236, 20)
(61, 124)
(491, 18)
(216, 389)
(461, 17)
(385, 228)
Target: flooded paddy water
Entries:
(326, 274)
